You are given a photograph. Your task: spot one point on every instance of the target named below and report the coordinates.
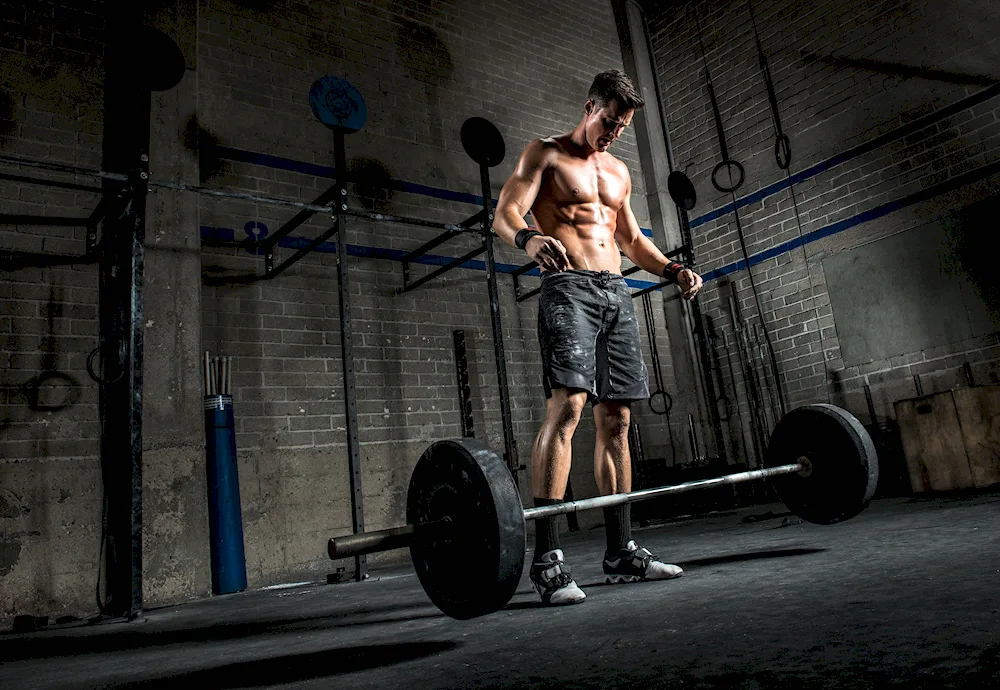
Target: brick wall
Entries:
(50, 109)
(844, 73)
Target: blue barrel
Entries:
(225, 517)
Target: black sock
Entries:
(618, 523)
(546, 529)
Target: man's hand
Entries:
(549, 253)
(689, 283)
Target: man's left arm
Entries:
(644, 254)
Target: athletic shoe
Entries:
(634, 563)
(551, 579)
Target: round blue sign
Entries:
(337, 104)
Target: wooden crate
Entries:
(951, 440)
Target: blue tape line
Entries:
(279, 163)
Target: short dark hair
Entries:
(614, 84)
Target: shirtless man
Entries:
(578, 194)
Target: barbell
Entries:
(464, 512)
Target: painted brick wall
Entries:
(50, 109)
(844, 73)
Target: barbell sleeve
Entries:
(619, 499)
(351, 545)
(370, 542)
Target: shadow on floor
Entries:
(748, 556)
(125, 636)
(293, 668)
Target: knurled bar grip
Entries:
(399, 537)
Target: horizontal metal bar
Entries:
(13, 261)
(241, 195)
(619, 499)
(323, 237)
(61, 167)
(298, 219)
(529, 294)
(444, 269)
(444, 237)
(524, 269)
(404, 220)
(51, 183)
(19, 219)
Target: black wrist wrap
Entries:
(671, 270)
(522, 237)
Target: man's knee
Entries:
(613, 419)
(564, 409)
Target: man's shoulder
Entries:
(618, 163)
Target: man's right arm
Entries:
(516, 199)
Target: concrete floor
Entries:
(903, 596)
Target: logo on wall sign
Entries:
(256, 231)
(338, 104)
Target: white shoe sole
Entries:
(625, 579)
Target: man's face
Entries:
(606, 123)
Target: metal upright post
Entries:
(126, 149)
(347, 352)
(510, 447)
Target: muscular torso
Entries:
(578, 204)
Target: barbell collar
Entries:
(644, 494)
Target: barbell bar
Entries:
(464, 507)
(399, 537)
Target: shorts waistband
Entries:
(601, 276)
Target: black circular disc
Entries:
(474, 567)
(483, 141)
(841, 463)
(165, 65)
(681, 190)
(728, 176)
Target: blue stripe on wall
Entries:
(228, 234)
(863, 217)
(327, 171)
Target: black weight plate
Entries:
(681, 190)
(473, 568)
(483, 141)
(165, 62)
(842, 464)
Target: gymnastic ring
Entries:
(93, 374)
(668, 402)
(783, 151)
(735, 181)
